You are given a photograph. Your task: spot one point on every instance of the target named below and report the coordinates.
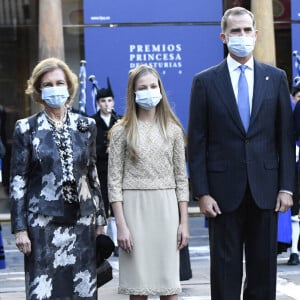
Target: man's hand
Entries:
(284, 202)
(208, 206)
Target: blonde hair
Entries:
(163, 114)
(45, 66)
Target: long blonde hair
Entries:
(163, 114)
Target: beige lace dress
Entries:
(150, 189)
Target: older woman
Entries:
(57, 208)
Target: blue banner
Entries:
(295, 10)
(177, 52)
(144, 11)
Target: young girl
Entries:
(148, 189)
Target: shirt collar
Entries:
(233, 64)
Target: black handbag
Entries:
(104, 273)
(185, 264)
(104, 248)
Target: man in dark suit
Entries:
(105, 118)
(241, 161)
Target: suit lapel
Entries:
(260, 77)
(228, 97)
(78, 137)
(226, 94)
(44, 133)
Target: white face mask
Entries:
(55, 96)
(241, 46)
(148, 99)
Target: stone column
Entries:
(51, 39)
(265, 44)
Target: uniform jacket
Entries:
(223, 158)
(36, 171)
(102, 139)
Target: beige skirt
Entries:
(153, 266)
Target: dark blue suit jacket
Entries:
(222, 157)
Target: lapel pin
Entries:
(267, 77)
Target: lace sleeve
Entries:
(116, 160)
(179, 162)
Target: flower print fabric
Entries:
(63, 258)
(62, 138)
(62, 262)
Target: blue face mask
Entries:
(241, 46)
(55, 96)
(148, 99)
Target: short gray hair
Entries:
(236, 11)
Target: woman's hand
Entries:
(182, 235)
(124, 238)
(23, 242)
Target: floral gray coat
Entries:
(36, 171)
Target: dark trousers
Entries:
(248, 230)
(103, 184)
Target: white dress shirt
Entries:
(234, 72)
(106, 118)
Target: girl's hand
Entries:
(183, 236)
(124, 238)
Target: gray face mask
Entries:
(55, 96)
(241, 46)
(148, 99)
